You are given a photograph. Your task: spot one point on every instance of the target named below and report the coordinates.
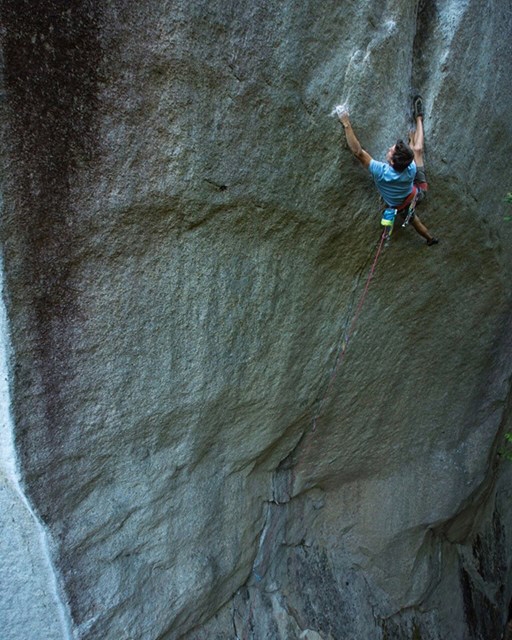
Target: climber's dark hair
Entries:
(402, 157)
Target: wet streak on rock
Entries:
(51, 57)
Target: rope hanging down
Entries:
(247, 625)
(344, 345)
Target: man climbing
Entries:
(401, 180)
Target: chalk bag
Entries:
(388, 219)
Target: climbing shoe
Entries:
(417, 107)
(432, 241)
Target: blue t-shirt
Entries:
(394, 187)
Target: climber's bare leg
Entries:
(421, 228)
(416, 142)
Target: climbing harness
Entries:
(409, 205)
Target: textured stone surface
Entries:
(186, 238)
(29, 606)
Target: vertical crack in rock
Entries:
(436, 26)
(271, 538)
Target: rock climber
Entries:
(401, 180)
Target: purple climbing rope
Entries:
(344, 345)
(246, 629)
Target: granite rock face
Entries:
(186, 240)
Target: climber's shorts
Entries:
(421, 183)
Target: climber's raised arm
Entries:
(352, 141)
(401, 182)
